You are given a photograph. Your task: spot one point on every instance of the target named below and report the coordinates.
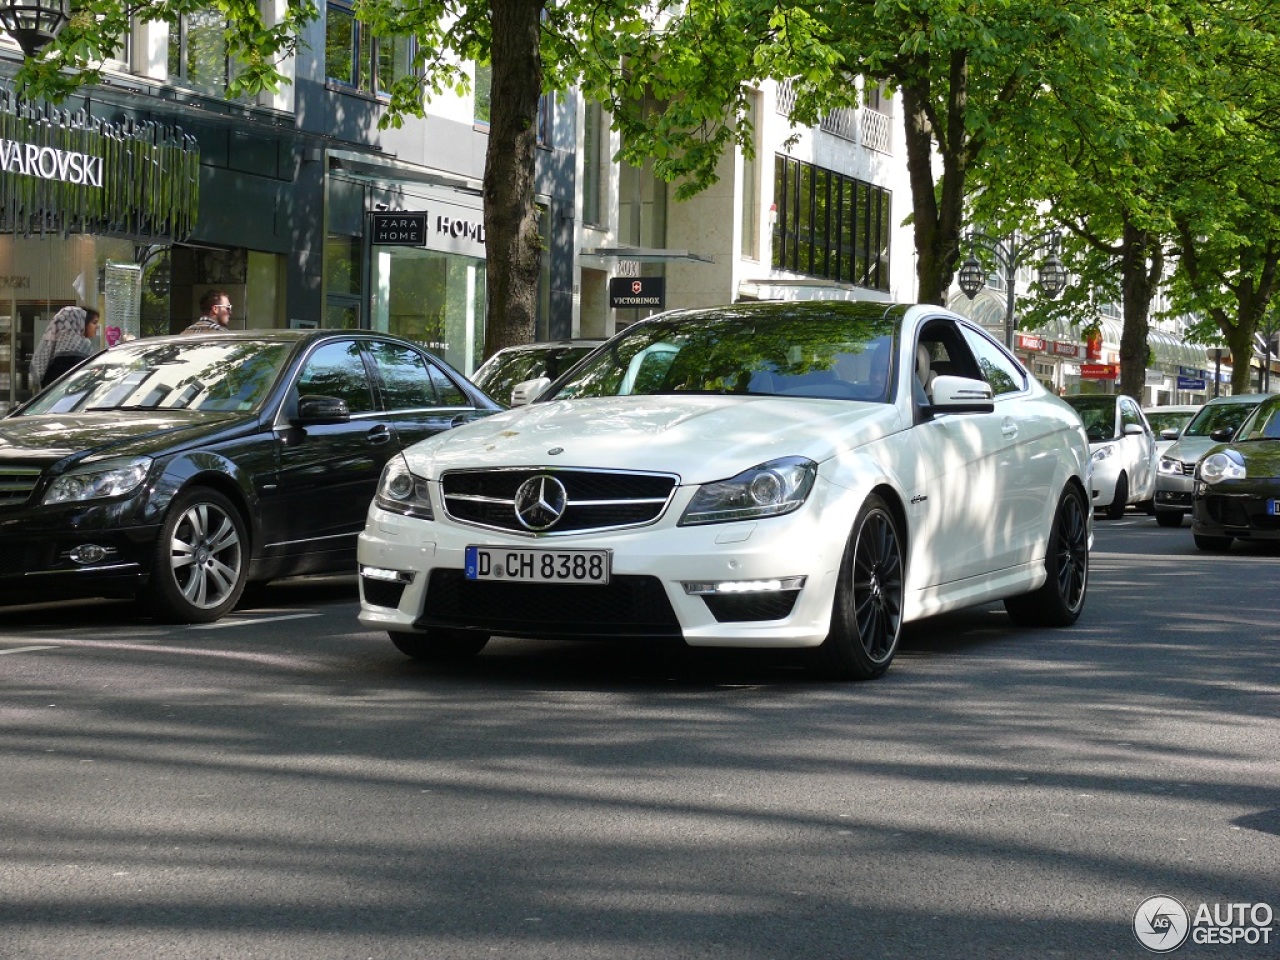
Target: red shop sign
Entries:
(1065, 349)
(1030, 343)
(1099, 371)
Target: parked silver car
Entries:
(1215, 423)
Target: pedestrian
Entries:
(70, 338)
(215, 313)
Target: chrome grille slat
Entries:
(596, 499)
(17, 483)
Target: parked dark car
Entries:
(1236, 486)
(180, 469)
(529, 361)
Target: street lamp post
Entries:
(1009, 255)
(34, 23)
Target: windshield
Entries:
(802, 350)
(1166, 420)
(1262, 423)
(169, 375)
(1218, 416)
(503, 371)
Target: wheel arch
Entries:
(229, 488)
(893, 500)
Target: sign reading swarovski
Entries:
(50, 163)
(68, 171)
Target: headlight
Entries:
(1171, 467)
(110, 478)
(1103, 452)
(768, 490)
(1221, 466)
(402, 491)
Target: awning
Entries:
(643, 254)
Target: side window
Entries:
(1129, 413)
(998, 368)
(406, 382)
(337, 370)
(448, 392)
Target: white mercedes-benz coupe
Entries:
(802, 474)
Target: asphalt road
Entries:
(286, 785)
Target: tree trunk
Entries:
(512, 242)
(1140, 269)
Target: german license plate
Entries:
(1273, 508)
(532, 565)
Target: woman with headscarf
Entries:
(69, 339)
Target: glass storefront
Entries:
(433, 298)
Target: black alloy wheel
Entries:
(866, 616)
(1059, 601)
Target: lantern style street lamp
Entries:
(34, 23)
(1009, 255)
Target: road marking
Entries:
(251, 622)
(26, 649)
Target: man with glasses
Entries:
(215, 313)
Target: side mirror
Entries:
(961, 395)
(1133, 430)
(528, 391)
(1170, 433)
(1222, 434)
(319, 410)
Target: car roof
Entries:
(1174, 408)
(1239, 398)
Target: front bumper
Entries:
(646, 596)
(1236, 509)
(42, 561)
(1173, 491)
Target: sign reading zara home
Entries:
(404, 229)
(637, 293)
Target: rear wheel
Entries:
(1169, 518)
(866, 617)
(1212, 544)
(439, 645)
(1058, 602)
(201, 559)
(1121, 500)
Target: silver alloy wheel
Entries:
(205, 555)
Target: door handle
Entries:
(379, 434)
(1008, 429)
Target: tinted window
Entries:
(406, 381)
(337, 370)
(448, 392)
(997, 367)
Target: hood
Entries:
(1189, 449)
(701, 438)
(49, 437)
(1261, 457)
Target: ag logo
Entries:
(1161, 924)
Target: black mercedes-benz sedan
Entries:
(180, 469)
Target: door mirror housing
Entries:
(320, 410)
(961, 395)
(528, 391)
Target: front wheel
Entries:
(1212, 544)
(1169, 518)
(866, 616)
(201, 559)
(439, 645)
(1058, 602)
(1115, 510)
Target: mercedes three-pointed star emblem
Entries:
(540, 502)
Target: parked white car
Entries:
(802, 474)
(1167, 423)
(1123, 447)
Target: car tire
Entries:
(1169, 518)
(866, 615)
(439, 645)
(1059, 600)
(1212, 544)
(201, 561)
(1115, 509)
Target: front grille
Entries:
(16, 484)
(1241, 512)
(595, 499)
(627, 606)
(741, 608)
(1188, 469)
